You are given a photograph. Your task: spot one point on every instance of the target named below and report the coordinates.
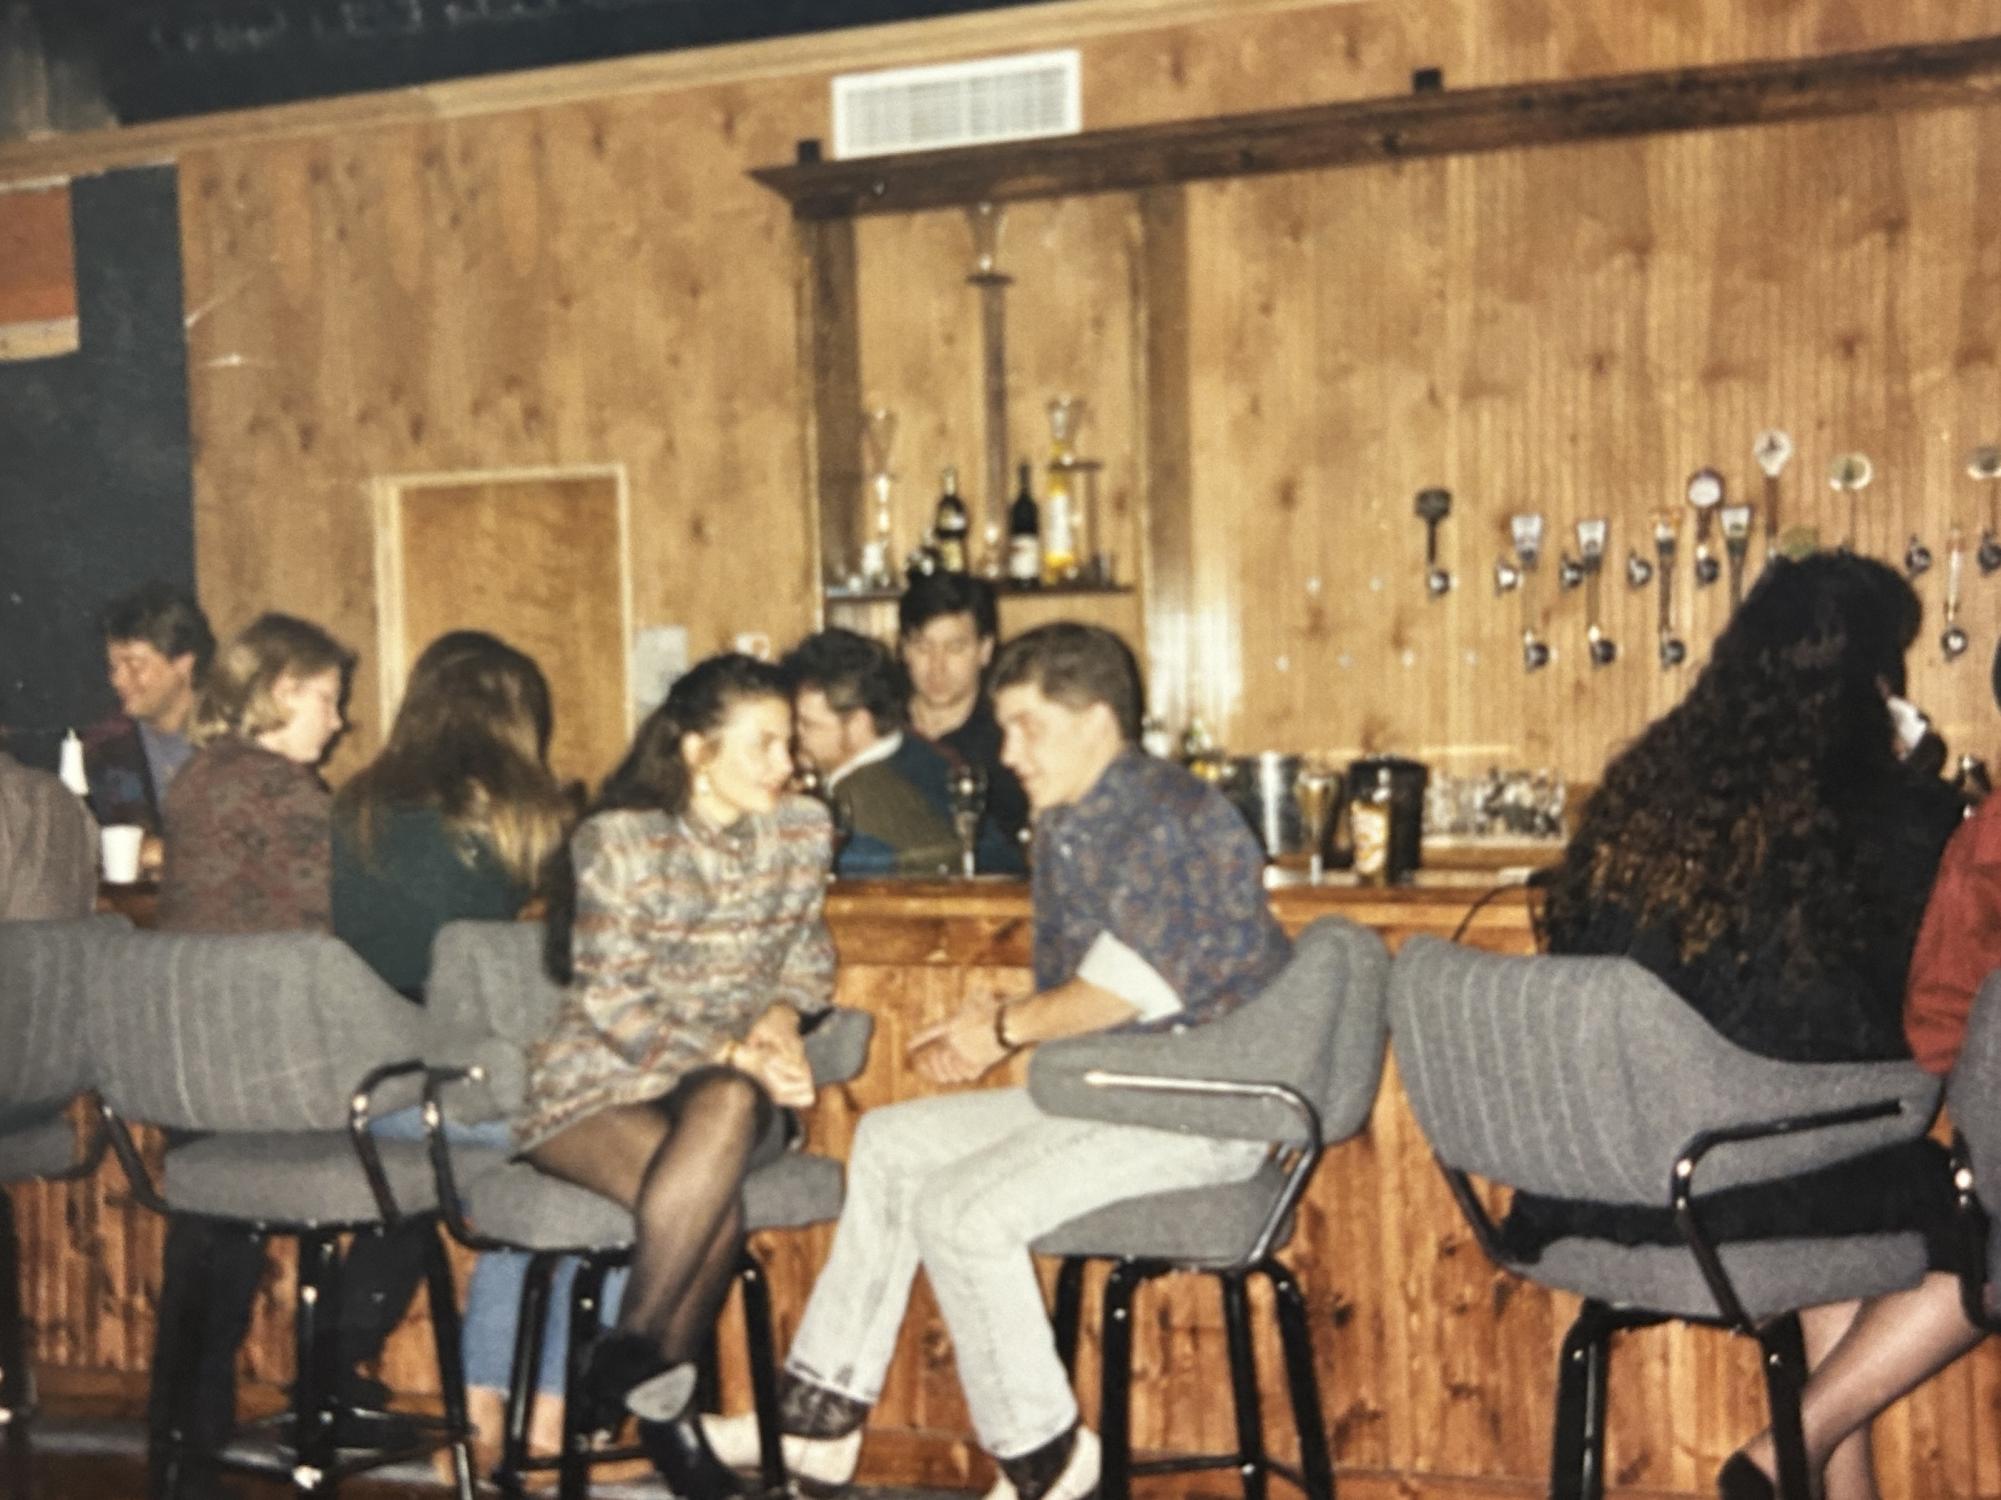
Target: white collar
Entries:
(882, 749)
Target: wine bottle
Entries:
(949, 526)
(1024, 536)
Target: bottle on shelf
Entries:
(1062, 518)
(949, 527)
(1024, 536)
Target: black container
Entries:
(1388, 788)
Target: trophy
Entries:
(1984, 464)
(1526, 533)
(1774, 446)
(1316, 789)
(878, 438)
(1670, 647)
(1850, 474)
(1953, 642)
(1433, 506)
(1736, 546)
(1591, 548)
(1917, 558)
(1064, 524)
(1705, 494)
(968, 789)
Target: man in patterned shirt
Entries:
(1150, 913)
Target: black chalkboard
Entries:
(96, 488)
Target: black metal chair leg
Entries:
(17, 1397)
(1784, 1351)
(1115, 1351)
(316, 1329)
(1302, 1380)
(1069, 1311)
(446, 1335)
(1244, 1386)
(523, 1371)
(763, 1371)
(1577, 1456)
(586, 1322)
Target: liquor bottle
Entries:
(949, 527)
(1024, 537)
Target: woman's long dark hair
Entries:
(654, 774)
(1740, 807)
(471, 739)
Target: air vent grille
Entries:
(958, 104)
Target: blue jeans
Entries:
(493, 1300)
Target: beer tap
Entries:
(1772, 449)
(1850, 474)
(1673, 650)
(1953, 641)
(1984, 465)
(1705, 493)
(1591, 548)
(1526, 532)
(1737, 545)
(1433, 506)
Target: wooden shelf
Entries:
(1001, 591)
(1396, 128)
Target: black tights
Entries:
(679, 1165)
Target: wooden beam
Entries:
(1399, 128)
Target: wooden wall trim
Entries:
(1165, 453)
(891, 45)
(1400, 128)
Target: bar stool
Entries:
(489, 998)
(257, 1043)
(43, 1066)
(1973, 1101)
(1589, 1079)
(1299, 1067)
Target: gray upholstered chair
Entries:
(1297, 1067)
(269, 1049)
(1973, 1101)
(1589, 1079)
(489, 998)
(43, 1067)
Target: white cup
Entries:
(119, 845)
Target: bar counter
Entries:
(1436, 1370)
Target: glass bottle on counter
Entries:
(1060, 518)
(950, 526)
(1024, 536)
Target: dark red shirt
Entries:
(1959, 944)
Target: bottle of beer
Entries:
(950, 526)
(1024, 537)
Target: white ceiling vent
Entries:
(958, 104)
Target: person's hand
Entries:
(773, 1054)
(960, 1049)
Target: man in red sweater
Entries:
(1959, 944)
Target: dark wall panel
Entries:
(96, 490)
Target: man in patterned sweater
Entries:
(1150, 913)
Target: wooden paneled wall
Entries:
(570, 268)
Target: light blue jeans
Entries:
(493, 1300)
(962, 1185)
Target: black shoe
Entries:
(1740, 1479)
(683, 1458)
(626, 1374)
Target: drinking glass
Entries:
(969, 800)
(1316, 788)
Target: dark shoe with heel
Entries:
(1740, 1479)
(683, 1457)
(627, 1375)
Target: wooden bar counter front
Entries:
(1436, 1370)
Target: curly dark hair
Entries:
(1740, 807)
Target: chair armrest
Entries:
(362, 1110)
(1683, 1199)
(1168, 1081)
(837, 1046)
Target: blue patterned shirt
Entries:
(1158, 861)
